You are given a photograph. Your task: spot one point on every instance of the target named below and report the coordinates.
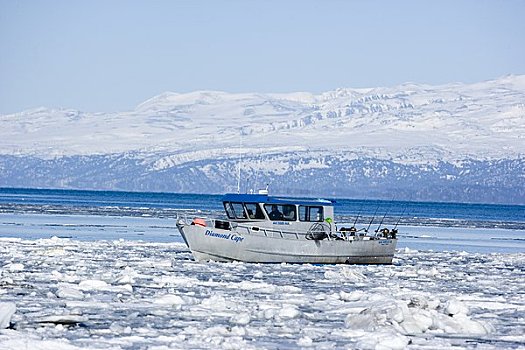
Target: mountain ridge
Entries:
(183, 138)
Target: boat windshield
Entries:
(254, 211)
(237, 210)
(282, 212)
(275, 211)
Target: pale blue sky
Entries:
(111, 55)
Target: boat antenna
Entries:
(239, 164)
(373, 217)
(256, 166)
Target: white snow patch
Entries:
(6, 312)
(424, 300)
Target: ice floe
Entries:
(6, 312)
(131, 294)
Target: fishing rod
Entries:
(384, 216)
(378, 227)
(397, 223)
(357, 217)
(373, 217)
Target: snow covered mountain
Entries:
(455, 142)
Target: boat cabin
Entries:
(262, 208)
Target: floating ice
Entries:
(89, 285)
(454, 307)
(14, 267)
(169, 299)
(124, 294)
(6, 312)
(63, 319)
(242, 319)
(93, 285)
(305, 341)
(383, 340)
(69, 293)
(346, 273)
(12, 341)
(289, 311)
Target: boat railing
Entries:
(252, 230)
(331, 234)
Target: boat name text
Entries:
(230, 236)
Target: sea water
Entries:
(108, 270)
(91, 215)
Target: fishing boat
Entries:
(268, 229)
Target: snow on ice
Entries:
(70, 294)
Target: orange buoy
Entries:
(199, 221)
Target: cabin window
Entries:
(254, 211)
(238, 211)
(282, 212)
(229, 210)
(310, 213)
(234, 210)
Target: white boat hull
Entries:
(214, 244)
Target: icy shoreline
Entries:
(72, 294)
